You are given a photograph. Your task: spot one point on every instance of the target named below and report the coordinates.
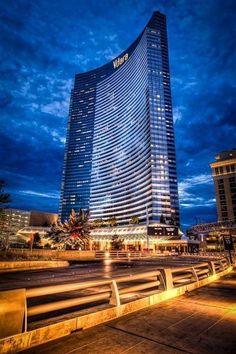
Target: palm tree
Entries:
(98, 222)
(112, 221)
(173, 221)
(134, 220)
(162, 219)
(72, 233)
(36, 240)
(116, 243)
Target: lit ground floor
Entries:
(155, 238)
(158, 238)
(153, 245)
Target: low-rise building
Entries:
(23, 218)
(26, 234)
(211, 234)
(22, 224)
(156, 238)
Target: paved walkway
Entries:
(200, 322)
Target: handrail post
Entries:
(25, 317)
(194, 274)
(212, 266)
(168, 278)
(115, 297)
(161, 278)
(222, 265)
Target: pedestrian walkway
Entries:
(200, 322)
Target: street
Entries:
(85, 271)
(89, 270)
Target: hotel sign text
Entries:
(120, 61)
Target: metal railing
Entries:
(113, 291)
(103, 289)
(121, 254)
(141, 254)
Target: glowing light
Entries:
(107, 262)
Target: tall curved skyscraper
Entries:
(120, 151)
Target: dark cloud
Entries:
(43, 44)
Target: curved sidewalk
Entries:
(200, 322)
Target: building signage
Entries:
(163, 231)
(120, 61)
(155, 231)
(228, 242)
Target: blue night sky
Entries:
(44, 43)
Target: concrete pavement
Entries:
(200, 322)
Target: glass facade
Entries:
(120, 151)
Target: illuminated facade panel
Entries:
(120, 151)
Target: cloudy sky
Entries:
(44, 43)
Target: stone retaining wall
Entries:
(53, 254)
(27, 265)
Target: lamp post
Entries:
(31, 242)
(228, 245)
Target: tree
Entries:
(98, 223)
(46, 224)
(134, 220)
(162, 219)
(47, 245)
(116, 243)
(173, 221)
(72, 233)
(36, 240)
(112, 221)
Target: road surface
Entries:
(83, 271)
(92, 270)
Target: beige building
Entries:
(224, 175)
(42, 218)
(27, 233)
(23, 224)
(18, 219)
